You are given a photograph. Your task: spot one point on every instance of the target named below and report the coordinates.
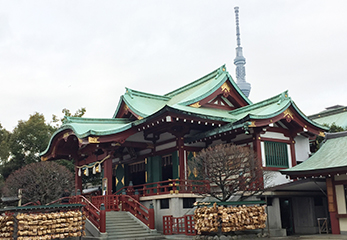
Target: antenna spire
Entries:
(240, 61)
(237, 26)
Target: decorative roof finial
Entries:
(240, 61)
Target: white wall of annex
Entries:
(302, 148)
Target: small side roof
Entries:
(336, 114)
(330, 157)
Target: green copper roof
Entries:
(337, 116)
(332, 154)
(84, 127)
(203, 87)
(265, 109)
(145, 104)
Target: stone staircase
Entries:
(120, 225)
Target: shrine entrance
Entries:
(166, 167)
(137, 173)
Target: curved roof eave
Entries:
(307, 119)
(91, 132)
(118, 106)
(231, 80)
(133, 109)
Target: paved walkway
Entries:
(307, 237)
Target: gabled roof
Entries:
(336, 114)
(192, 100)
(330, 157)
(145, 104)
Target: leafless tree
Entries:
(231, 170)
(42, 181)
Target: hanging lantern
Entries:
(79, 172)
(94, 170)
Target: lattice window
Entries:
(137, 167)
(276, 154)
(166, 160)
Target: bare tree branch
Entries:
(230, 169)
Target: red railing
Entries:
(179, 225)
(129, 204)
(94, 214)
(138, 210)
(111, 202)
(167, 187)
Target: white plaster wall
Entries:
(341, 199)
(302, 148)
(274, 178)
(175, 209)
(343, 225)
(290, 164)
(274, 135)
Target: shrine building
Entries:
(150, 139)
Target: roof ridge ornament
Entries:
(283, 97)
(129, 92)
(220, 71)
(240, 60)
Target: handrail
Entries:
(138, 210)
(127, 203)
(92, 212)
(33, 203)
(166, 187)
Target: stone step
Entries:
(120, 225)
(136, 236)
(127, 228)
(123, 222)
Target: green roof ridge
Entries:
(195, 83)
(278, 98)
(132, 92)
(68, 120)
(328, 112)
(205, 94)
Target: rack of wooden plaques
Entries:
(42, 222)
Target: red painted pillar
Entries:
(108, 175)
(332, 205)
(182, 158)
(102, 218)
(78, 180)
(151, 217)
(292, 151)
(257, 150)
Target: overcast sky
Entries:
(73, 54)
